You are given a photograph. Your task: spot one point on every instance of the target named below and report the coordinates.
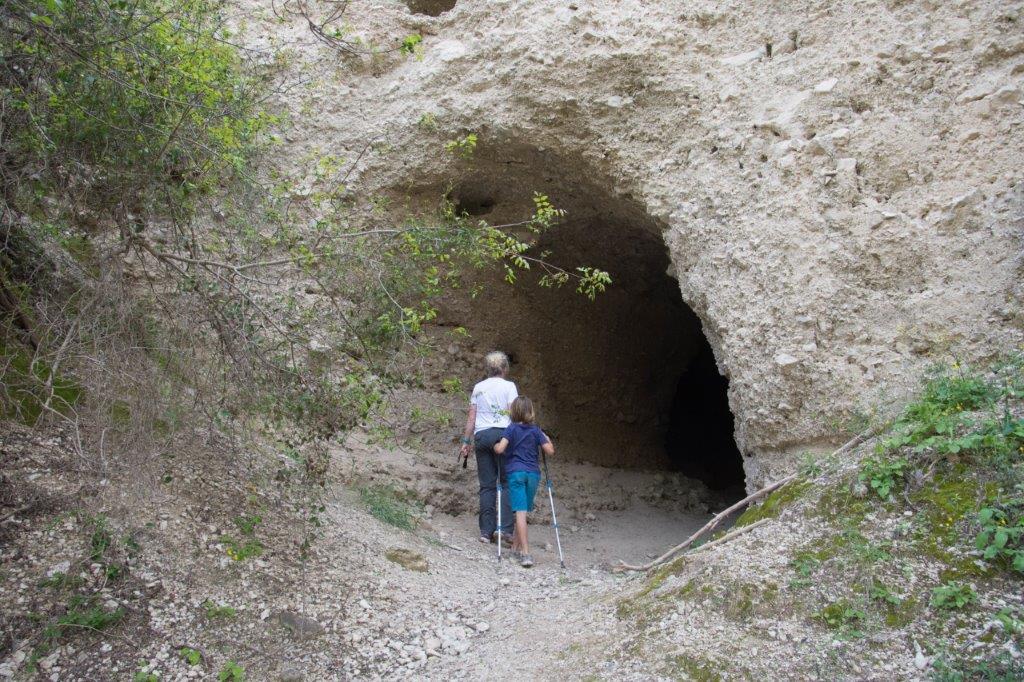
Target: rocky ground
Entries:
(371, 600)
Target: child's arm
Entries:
(500, 446)
(549, 447)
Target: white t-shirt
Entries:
(492, 397)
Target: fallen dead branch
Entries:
(721, 516)
(709, 526)
(730, 535)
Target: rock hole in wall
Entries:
(628, 380)
(430, 7)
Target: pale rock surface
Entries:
(764, 170)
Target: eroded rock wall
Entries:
(839, 185)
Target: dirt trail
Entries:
(471, 617)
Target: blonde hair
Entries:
(496, 363)
(521, 410)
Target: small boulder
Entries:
(299, 626)
(407, 558)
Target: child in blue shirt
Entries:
(522, 468)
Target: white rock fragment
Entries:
(785, 360)
(617, 101)
(826, 86)
(846, 165)
(744, 57)
(448, 50)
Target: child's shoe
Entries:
(525, 560)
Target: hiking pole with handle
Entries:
(499, 507)
(551, 499)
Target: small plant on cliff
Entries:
(463, 146)
(952, 596)
(1002, 533)
(883, 475)
(191, 656)
(215, 611)
(412, 45)
(231, 672)
(843, 617)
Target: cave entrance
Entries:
(627, 381)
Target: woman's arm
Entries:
(500, 446)
(467, 434)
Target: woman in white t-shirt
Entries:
(488, 417)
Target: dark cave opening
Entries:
(699, 442)
(431, 8)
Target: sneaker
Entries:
(525, 560)
(484, 539)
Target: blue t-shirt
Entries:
(523, 443)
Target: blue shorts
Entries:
(522, 486)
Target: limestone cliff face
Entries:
(839, 185)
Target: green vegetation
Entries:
(240, 550)
(191, 656)
(952, 596)
(62, 581)
(463, 146)
(842, 617)
(883, 474)
(31, 386)
(774, 503)
(247, 524)
(929, 496)
(387, 505)
(1000, 668)
(1001, 537)
(215, 611)
(412, 44)
(881, 593)
(82, 614)
(452, 385)
(247, 547)
(231, 672)
(143, 675)
(694, 668)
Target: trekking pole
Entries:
(499, 507)
(551, 499)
